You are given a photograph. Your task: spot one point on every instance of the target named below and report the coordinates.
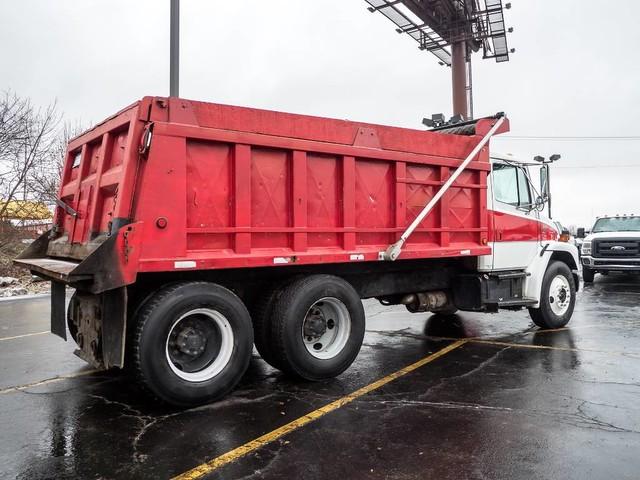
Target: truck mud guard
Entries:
(394, 250)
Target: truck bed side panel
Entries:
(229, 187)
(256, 188)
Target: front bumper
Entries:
(611, 264)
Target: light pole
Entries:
(174, 50)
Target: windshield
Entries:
(617, 224)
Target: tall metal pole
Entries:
(459, 79)
(174, 50)
(470, 88)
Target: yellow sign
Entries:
(25, 210)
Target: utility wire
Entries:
(569, 138)
(631, 165)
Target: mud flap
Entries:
(101, 320)
(114, 327)
(58, 313)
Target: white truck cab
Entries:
(525, 240)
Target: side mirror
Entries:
(544, 181)
(580, 233)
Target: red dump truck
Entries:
(192, 231)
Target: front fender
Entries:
(560, 251)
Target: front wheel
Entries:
(317, 325)
(557, 299)
(192, 343)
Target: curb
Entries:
(25, 297)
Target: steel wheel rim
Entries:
(326, 328)
(209, 347)
(559, 295)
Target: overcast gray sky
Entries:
(575, 73)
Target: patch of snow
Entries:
(24, 297)
(6, 281)
(13, 291)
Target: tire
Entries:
(337, 312)
(588, 275)
(71, 324)
(261, 317)
(555, 308)
(192, 343)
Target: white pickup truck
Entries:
(612, 246)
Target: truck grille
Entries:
(616, 248)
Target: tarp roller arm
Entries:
(394, 250)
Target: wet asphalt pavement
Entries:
(509, 402)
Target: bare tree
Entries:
(28, 136)
(14, 115)
(44, 180)
(28, 163)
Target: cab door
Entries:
(514, 223)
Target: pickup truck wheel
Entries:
(192, 343)
(317, 326)
(588, 275)
(557, 299)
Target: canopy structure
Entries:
(451, 30)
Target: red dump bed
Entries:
(221, 186)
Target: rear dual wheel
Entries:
(311, 328)
(261, 313)
(192, 343)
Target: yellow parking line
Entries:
(563, 329)
(549, 347)
(524, 345)
(47, 381)
(25, 335)
(263, 440)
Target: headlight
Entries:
(586, 248)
